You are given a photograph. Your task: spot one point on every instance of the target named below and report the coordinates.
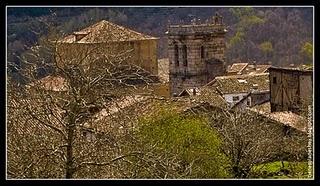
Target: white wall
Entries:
(229, 100)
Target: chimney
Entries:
(254, 87)
(254, 65)
(215, 19)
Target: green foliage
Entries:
(240, 12)
(266, 47)
(246, 17)
(191, 139)
(237, 38)
(280, 169)
(307, 51)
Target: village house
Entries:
(196, 54)
(248, 89)
(109, 38)
(290, 89)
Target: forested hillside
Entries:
(278, 35)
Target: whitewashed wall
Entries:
(229, 100)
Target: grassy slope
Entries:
(275, 170)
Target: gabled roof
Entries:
(105, 31)
(301, 70)
(236, 68)
(285, 117)
(189, 92)
(256, 69)
(210, 96)
(240, 83)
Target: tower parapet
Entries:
(196, 53)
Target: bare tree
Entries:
(45, 123)
(248, 138)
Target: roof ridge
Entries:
(98, 31)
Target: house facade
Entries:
(106, 38)
(252, 89)
(290, 89)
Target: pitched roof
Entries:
(240, 83)
(258, 69)
(128, 110)
(237, 68)
(285, 117)
(105, 31)
(301, 70)
(210, 96)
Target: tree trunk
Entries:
(70, 130)
(69, 163)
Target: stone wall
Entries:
(205, 48)
(141, 52)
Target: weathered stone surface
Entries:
(204, 58)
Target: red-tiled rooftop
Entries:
(105, 31)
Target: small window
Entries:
(184, 55)
(235, 98)
(176, 55)
(202, 52)
(248, 102)
(274, 80)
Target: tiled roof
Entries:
(258, 69)
(128, 110)
(210, 96)
(301, 69)
(240, 83)
(285, 117)
(105, 31)
(237, 68)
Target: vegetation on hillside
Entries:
(287, 30)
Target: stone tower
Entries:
(196, 54)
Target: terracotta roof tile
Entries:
(105, 31)
(285, 117)
(240, 83)
(237, 68)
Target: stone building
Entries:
(290, 89)
(196, 54)
(247, 89)
(108, 38)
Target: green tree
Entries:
(238, 43)
(307, 52)
(267, 49)
(184, 147)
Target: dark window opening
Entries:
(235, 98)
(184, 55)
(248, 102)
(202, 52)
(275, 80)
(176, 55)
